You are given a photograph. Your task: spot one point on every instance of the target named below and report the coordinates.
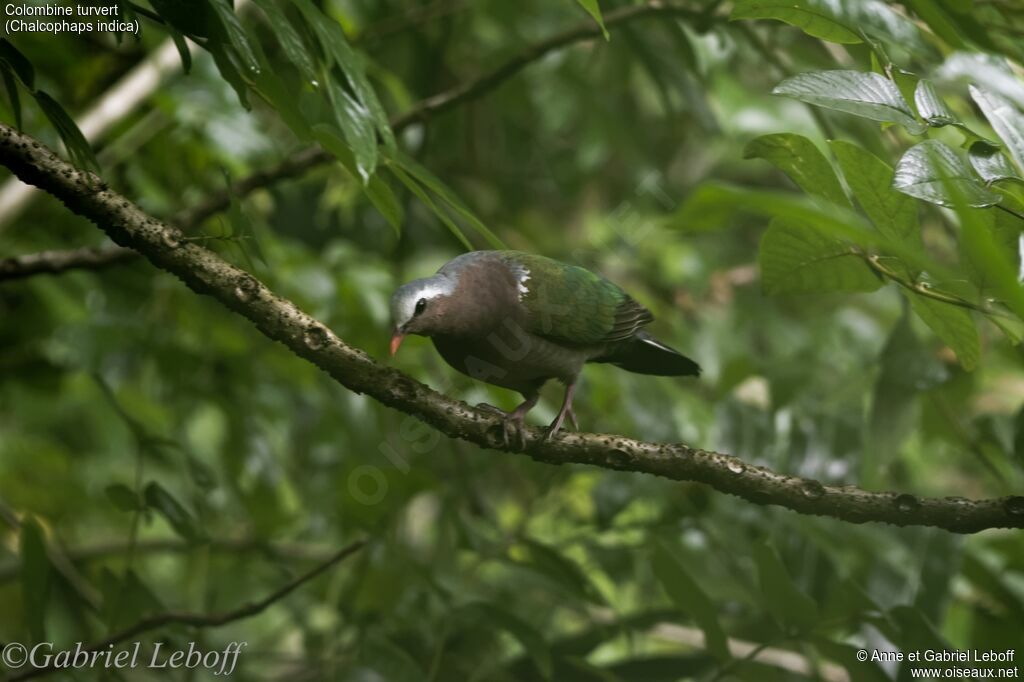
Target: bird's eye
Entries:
(420, 306)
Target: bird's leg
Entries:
(512, 423)
(566, 411)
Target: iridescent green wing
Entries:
(573, 305)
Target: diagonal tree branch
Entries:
(94, 258)
(201, 620)
(281, 320)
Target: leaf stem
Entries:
(874, 261)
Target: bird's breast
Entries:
(511, 357)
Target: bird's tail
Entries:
(644, 354)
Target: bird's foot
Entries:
(556, 425)
(513, 426)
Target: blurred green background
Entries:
(170, 457)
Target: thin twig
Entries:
(922, 289)
(200, 620)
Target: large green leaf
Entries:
(1006, 119)
(688, 596)
(989, 71)
(951, 323)
(854, 92)
(712, 204)
(814, 17)
(990, 257)
(931, 107)
(990, 163)
(786, 603)
(838, 21)
(798, 259)
(933, 171)
(870, 180)
(800, 159)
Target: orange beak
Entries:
(396, 341)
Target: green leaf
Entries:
(990, 163)
(355, 125)
(78, 147)
(688, 596)
(12, 92)
(952, 324)
(854, 92)
(1005, 118)
(413, 186)
(285, 101)
(176, 515)
(787, 604)
(800, 159)
(938, 21)
(229, 72)
(19, 63)
(236, 34)
(870, 180)
(932, 170)
(494, 617)
(989, 257)
(931, 107)
(907, 368)
(124, 498)
(332, 38)
(423, 176)
(992, 72)
(799, 259)
(35, 577)
(547, 561)
(814, 17)
(376, 189)
(594, 10)
(184, 53)
(291, 42)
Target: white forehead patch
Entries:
(403, 303)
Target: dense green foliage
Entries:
(824, 211)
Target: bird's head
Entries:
(419, 308)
